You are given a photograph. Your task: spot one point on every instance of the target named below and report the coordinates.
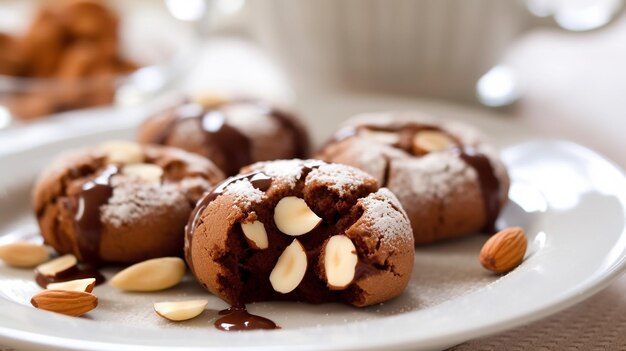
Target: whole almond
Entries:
(71, 303)
(504, 251)
(151, 275)
(23, 254)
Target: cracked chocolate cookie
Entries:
(121, 201)
(449, 180)
(232, 133)
(300, 231)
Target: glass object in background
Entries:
(157, 45)
(501, 86)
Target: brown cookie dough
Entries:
(348, 240)
(449, 180)
(121, 201)
(232, 133)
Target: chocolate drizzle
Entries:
(235, 147)
(488, 181)
(489, 185)
(238, 318)
(75, 272)
(88, 224)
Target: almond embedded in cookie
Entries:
(332, 236)
(448, 178)
(121, 201)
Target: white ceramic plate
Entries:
(571, 201)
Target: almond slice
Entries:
(180, 310)
(71, 303)
(23, 254)
(57, 265)
(294, 217)
(151, 275)
(340, 261)
(427, 141)
(146, 171)
(255, 234)
(382, 137)
(84, 285)
(122, 152)
(290, 268)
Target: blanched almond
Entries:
(23, 254)
(294, 217)
(255, 235)
(122, 152)
(340, 261)
(146, 171)
(383, 137)
(151, 275)
(180, 310)
(85, 285)
(57, 265)
(426, 141)
(290, 268)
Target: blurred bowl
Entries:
(160, 43)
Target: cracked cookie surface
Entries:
(330, 234)
(120, 201)
(449, 180)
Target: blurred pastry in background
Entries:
(121, 201)
(231, 132)
(449, 180)
(71, 52)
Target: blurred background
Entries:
(555, 66)
(523, 68)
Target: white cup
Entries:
(434, 48)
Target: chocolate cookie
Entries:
(232, 133)
(449, 180)
(121, 201)
(300, 231)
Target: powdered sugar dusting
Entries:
(384, 214)
(431, 176)
(373, 158)
(134, 200)
(337, 177)
(244, 193)
(288, 171)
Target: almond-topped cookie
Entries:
(121, 201)
(231, 132)
(300, 230)
(449, 180)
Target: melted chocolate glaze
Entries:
(488, 181)
(235, 146)
(238, 318)
(489, 185)
(75, 272)
(91, 197)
